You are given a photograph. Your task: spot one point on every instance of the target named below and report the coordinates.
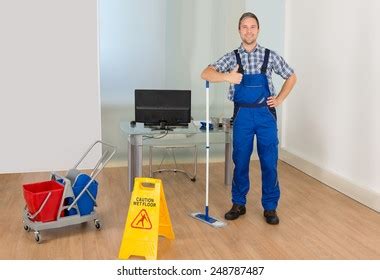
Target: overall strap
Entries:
(265, 63)
(238, 60)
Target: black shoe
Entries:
(235, 212)
(271, 217)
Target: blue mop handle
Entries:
(207, 143)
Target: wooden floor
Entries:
(317, 222)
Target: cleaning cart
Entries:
(65, 200)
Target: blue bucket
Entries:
(85, 202)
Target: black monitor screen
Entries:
(163, 107)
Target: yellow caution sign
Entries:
(148, 217)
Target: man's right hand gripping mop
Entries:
(204, 217)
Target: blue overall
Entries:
(252, 116)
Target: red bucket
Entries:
(36, 193)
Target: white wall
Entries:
(49, 96)
(332, 121)
(132, 48)
(132, 55)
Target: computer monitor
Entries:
(163, 108)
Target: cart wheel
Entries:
(37, 236)
(97, 224)
(26, 228)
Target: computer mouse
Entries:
(133, 123)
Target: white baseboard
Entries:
(365, 196)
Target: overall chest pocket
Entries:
(250, 94)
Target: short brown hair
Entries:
(251, 15)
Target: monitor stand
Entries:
(162, 126)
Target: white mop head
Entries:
(208, 220)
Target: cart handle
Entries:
(89, 149)
(105, 158)
(100, 161)
(32, 216)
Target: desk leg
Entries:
(134, 159)
(228, 161)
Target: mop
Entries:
(200, 216)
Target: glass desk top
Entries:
(179, 135)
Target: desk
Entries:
(140, 136)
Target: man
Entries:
(248, 69)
